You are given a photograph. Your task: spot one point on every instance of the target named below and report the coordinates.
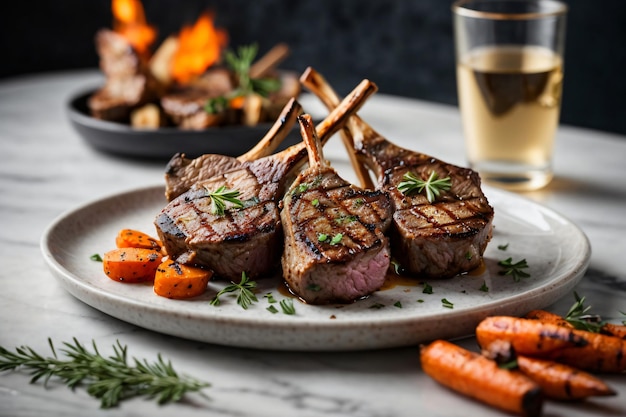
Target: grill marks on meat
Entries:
(335, 248)
(435, 240)
(181, 172)
(247, 239)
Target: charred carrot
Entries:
(547, 317)
(528, 337)
(562, 382)
(617, 330)
(131, 264)
(480, 378)
(174, 280)
(600, 353)
(129, 238)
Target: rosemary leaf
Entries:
(110, 379)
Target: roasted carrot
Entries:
(547, 317)
(562, 382)
(131, 264)
(617, 330)
(600, 353)
(480, 378)
(129, 238)
(528, 337)
(174, 280)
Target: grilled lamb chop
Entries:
(335, 247)
(436, 240)
(247, 239)
(181, 172)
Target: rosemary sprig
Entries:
(433, 185)
(245, 294)
(222, 195)
(240, 62)
(514, 269)
(110, 379)
(579, 319)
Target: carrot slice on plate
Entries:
(131, 264)
(129, 238)
(175, 280)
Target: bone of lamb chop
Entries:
(181, 172)
(438, 239)
(335, 246)
(247, 238)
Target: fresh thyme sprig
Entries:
(245, 294)
(110, 379)
(579, 319)
(433, 185)
(222, 195)
(514, 269)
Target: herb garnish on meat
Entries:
(433, 185)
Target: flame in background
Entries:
(199, 46)
(130, 22)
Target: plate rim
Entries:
(68, 277)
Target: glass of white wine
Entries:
(509, 60)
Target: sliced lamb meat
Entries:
(438, 239)
(246, 239)
(181, 172)
(335, 246)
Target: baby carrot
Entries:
(600, 353)
(174, 280)
(129, 238)
(131, 264)
(562, 382)
(617, 330)
(528, 337)
(547, 317)
(480, 378)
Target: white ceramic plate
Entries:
(556, 250)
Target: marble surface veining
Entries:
(47, 169)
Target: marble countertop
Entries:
(46, 169)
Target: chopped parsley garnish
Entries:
(272, 309)
(503, 247)
(244, 290)
(336, 239)
(397, 304)
(322, 237)
(446, 303)
(377, 306)
(270, 298)
(484, 287)
(514, 269)
(287, 306)
(315, 202)
(427, 288)
(96, 257)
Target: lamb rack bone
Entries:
(249, 238)
(335, 247)
(434, 240)
(182, 172)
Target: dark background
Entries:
(404, 46)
